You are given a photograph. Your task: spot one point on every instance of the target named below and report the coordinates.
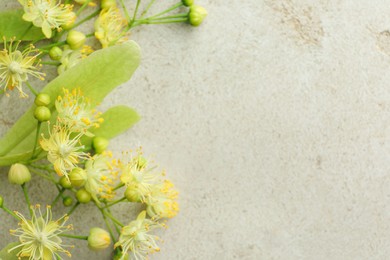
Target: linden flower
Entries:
(161, 202)
(63, 151)
(137, 177)
(135, 238)
(16, 66)
(111, 27)
(101, 178)
(47, 14)
(39, 237)
(75, 111)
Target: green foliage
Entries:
(4, 255)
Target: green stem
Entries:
(89, 17)
(73, 208)
(82, 7)
(182, 15)
(53, 45)
(135, 12)
(31, 89)
(119, 186)
(115, 225)
(74, 236)
(113, 218)
(36, 139)
(125, 10)
(90, 35)
(10, 212)
(115, 202)
(42, 175)
(147, 8)
(54, 63)
(167, 10)
(108, 225)
(58, 197)
(160, 22)
(27, 198)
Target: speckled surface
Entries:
(272, 119)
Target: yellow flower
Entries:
(101, 177)
(135, 237)
(39, 237)
(75, 111)
(47, 14)
(111, 27)
(16, 66)
(161, 201)
(63, 151)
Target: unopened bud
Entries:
(83, 196)
(65, 183)
(100, 144)
(19, 174)
(76, 39)
(78, 177)
(67, 201)
(106, 4)
(55, 53)
(98, 239)
(187, 2)
(132, 195)
(70, 22)
(42, 113)
(196, 15)
(1, 201)
(42, 100)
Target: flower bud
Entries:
(187, 2)
(55, 53)
(196, 15)
(106, 4)
(78, 177)
(65, 183)
(1, 201)
(132, 195)
(67, 201)
(19, 174)
(76, 39)
(83, 196)
(42, 100)
(42, 114)
(98, 239)
(70, 22)
(100, 144)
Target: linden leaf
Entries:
(4, 255)
(13, 25)
(116, 121)
(96, 75)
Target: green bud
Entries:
(70, 22)
(65, 183)
(100, 144)
(1, 201)
(55, 53)
(187, 2)
(19, 174)
(196, 15)
(76, 39)
(42, 100)
(67, 201)
(42, 114)
(132, 195)
(83, 196)
(106, 4)
(78, 177)
(98, 239)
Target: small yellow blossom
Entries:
(161, 201)
(75, 111)
(111, 27)
(136, 240)
(16, 66)
(39, 237)
(101, 177)
(47, 14)
(64, 151)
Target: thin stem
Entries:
(58, 197)
(73, 208)
(53, 45)
(74, 236)
(160, 22)
(27, 198)
(182, 15)
(42, 175)
(168, 10)
(113, 218)
(147, 8)
(54, 63)
(36, 139)
(115, 225)
(90, 35)
(108, 225)
(113, 203)
(82, 7)
(119, 186)
(89, 17)
(10, 212)
(31, 89)
(135, 12)
(125, 10)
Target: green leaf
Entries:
(96, 75)
(14, 158)
(116, 121)
(4, 255)
(13, 25)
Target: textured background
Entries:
(272, 120)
